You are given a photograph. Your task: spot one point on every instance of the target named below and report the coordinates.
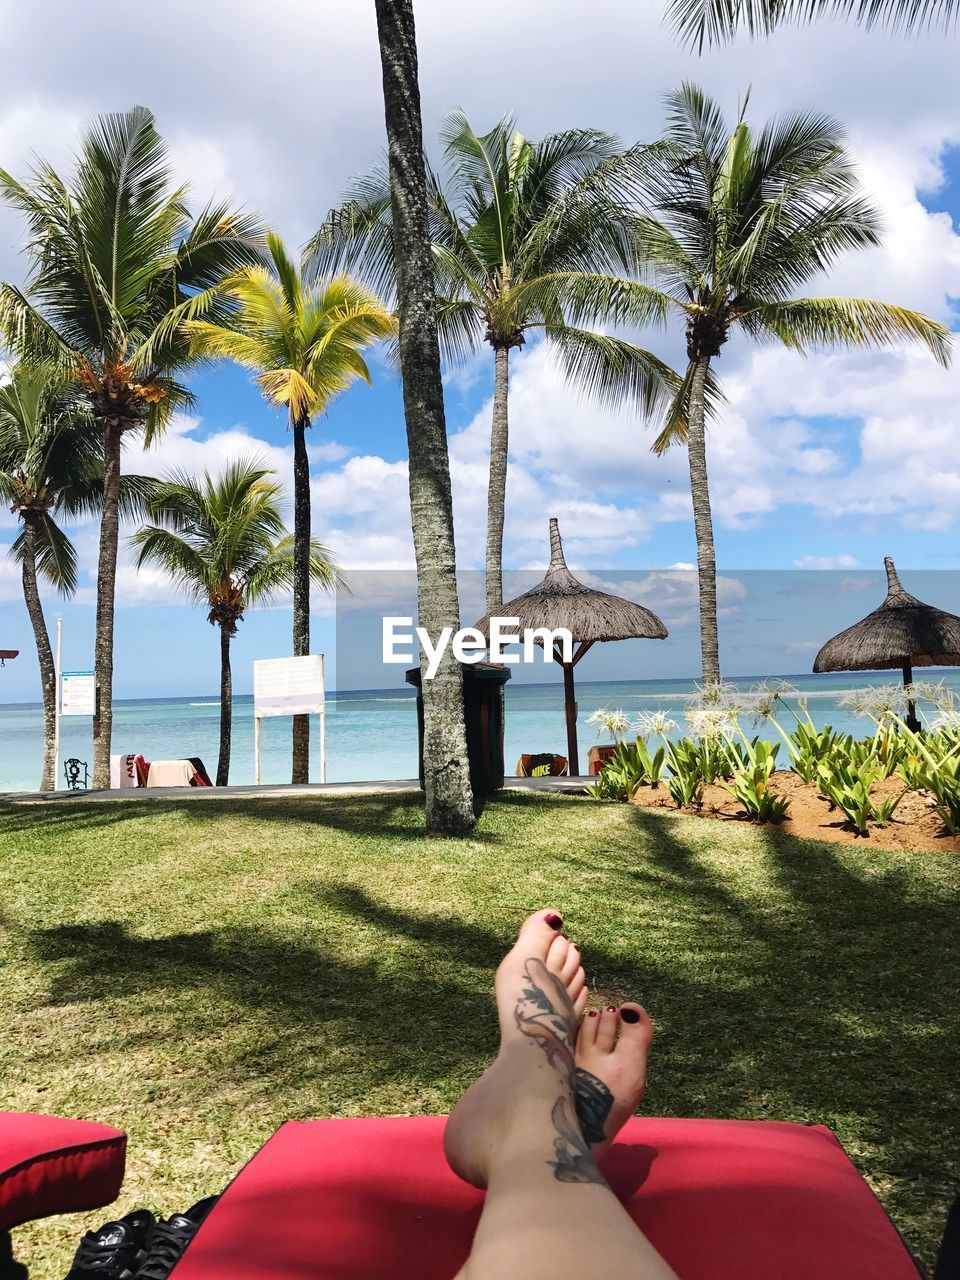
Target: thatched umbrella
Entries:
(590, 617)
(7, 653)
(903, 633)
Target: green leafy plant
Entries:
(709, 757)
(751, 782)
(882, 753)
(849, 788)
(685, 780)
(931, 762)
(631, 766)
(809, 746)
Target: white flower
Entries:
(615, 723)
(651, 724)
(881, 703)
(711, 722)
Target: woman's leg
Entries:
(548, 1211)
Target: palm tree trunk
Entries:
(106, 593)
(449, 799)
(48, 674)
(703, 524)
(301, 586)
(226, 707)
(497, 487)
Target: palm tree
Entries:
(527, 238)
(222, 539)
(116, 264)
(735, 222)
(49, 467)
(703, 22)
(304, 344)
(449, 798)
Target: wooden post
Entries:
(913, 720)
(570, 711)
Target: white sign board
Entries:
(288, 686)
(78, 696)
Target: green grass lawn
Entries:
(198, 972)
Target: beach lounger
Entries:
(50, 1166)
(720, 1199)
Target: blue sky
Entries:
(829, 462)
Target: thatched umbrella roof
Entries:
(903, 633)
(560, 600)
(7, 653)
(590, 616)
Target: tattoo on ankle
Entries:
(593, 1102)
(545, 1014)
(572, 1159)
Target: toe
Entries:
(575, 985)
(580, 1001)
(607, 1030)
(557, 955)
(588, 1028)
(636, 1029)
(571, 964)
(539, 931)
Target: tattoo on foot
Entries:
(545, 1014)
(593, 1102)
(572, 1159)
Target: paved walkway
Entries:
(574, 786)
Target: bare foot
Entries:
(541, 991)
(611, 1071)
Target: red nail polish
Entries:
(555, 922)
(592, 1013)
(611, 1008)
(629, 1015)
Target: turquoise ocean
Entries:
(372, 734)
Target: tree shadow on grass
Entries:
(398, 816)
(830, 996)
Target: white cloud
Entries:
(825, 562)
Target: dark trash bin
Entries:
(483, 712)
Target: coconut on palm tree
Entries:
(223, 541)
(702, 22)
(734, 223)
(303, 342)
(527, 238)
(51, 467)
(449, 797)
(117, 262)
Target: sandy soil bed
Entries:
(915, 824)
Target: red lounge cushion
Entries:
(52, 1166)
(721, 1200)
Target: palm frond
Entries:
(701, 23)
(56, 555)
(357, 237)
(676, 421)
(612, 370)
(847, 322)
